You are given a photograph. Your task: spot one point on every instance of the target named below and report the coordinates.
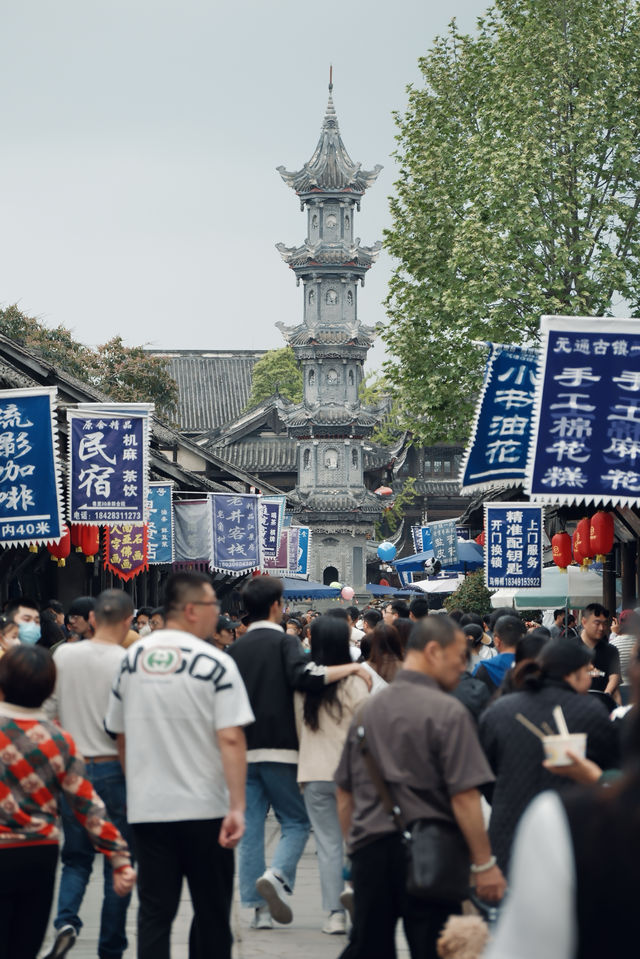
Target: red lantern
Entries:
(384, 582)
(76, 536)
(60, 551)
(581, 542)
(384, 491)
(601, 535)
(480, 539)
(578, 555)
(561, 546)
(90, 542)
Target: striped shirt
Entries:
(38, 762)
(625, 645)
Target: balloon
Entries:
(386, 551)
(335, 585)
(347, 592)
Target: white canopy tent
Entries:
(575, 588)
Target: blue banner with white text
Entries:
(444, 541)
(586, 431)
(513, 546)
(298, 551)
(236, 533)
(30, 500)
(160, 523)
(271, 523)
(499, 444)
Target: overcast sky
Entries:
(138, 190)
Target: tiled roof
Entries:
(261, 454)
(214, 387)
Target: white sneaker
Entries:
(275, 892)
(64, 941)
(335, 924)
(261, 918)
(346, 899)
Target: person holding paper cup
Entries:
(516, 749)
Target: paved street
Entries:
(302, 938)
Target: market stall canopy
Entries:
(440, 585)
(470, 555)
(377, 590)
(576, 587)
(307, 589)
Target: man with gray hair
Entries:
(425, 746)
(85, 675)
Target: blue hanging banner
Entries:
(421, 536)
(499, 444)
(271, 522)
(160, 523)
(586, 431)
(30, 496)
(298, 551)
(513, 548)
(108, 467)
(444, 541)
(235, 533)
(278, 565)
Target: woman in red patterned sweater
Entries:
(39, 762)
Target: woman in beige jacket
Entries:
(322, 721)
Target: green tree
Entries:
(393, 516)
(276, 372)
(375, 390)
(518, 194)
(471, 595)
(125, 373)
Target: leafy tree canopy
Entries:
(276, 372)
(472, 595)
(518, 195)
(374, 391)
(125, 373)
(393, 515)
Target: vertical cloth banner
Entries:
(235, 533)
(126, 550)
(513, 548)
(499, 444)
(30, 493)
(586, 429)
(108, 467)
(278, 565)
(160, 523)
(271, 522)
(421, 538)
(298, 551)
(444, 542)
(192, 533)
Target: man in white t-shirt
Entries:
(85, 672)
(178, 707)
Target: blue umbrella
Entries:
(470, 557)
(376, 590)
(307, 589)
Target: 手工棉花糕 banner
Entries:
(108, 467)
(499, 444)
(30, 496)
(585, 445)
(160, 523)
(235, 533)
(513, 545)
(271, 510)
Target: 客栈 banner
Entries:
(586, 426)
(108, 468)
(513, 547)
(160, 523)
(30, 495)
(235, 533)
(499, 444)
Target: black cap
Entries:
(225, 622)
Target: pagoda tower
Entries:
(330, 425)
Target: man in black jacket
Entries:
(273, 664)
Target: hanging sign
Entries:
(271, 521)
(192, 534)
(278, 565)
(444, 542)
(30, 496)
(586, 432)
(160, 523)
(108, 467)
(499, 444)
(421, 536)
(235, 533)
(126, 550)
(298, 551)
(513, 548)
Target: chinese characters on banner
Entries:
(278, 565)
(160, 523)
(30, 499)
(298, 551)
(271, 521)
(444, 541)
(421, 538)
(586, 429)
(513, 548)
(235, 533)
(126, 550)
(107, 467)
(499, 444)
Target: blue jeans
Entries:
(275, 785)
(77, 857)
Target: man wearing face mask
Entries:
(25, 613)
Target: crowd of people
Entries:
(162, 738)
